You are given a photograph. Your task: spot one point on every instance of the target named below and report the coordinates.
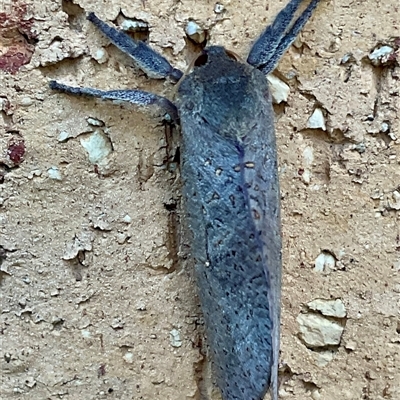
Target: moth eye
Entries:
(201, 60)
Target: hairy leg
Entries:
(137, 97)
(148, 60)
(277, 37)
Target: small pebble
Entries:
(98, 146)
(329, 308)
(100, 55)
(64, 135)
(54, 173)
(279, 89)
(318, 331)
(219, 8)
(134, 25)
(325, 262)
(128, 357)
(381, 55)
(395, 204)
(195, 32)
(317, 120)
(94, 121)
(127, 219)
(175, 338)
(26, 102)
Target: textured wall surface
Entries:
(97, 294)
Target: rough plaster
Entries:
(97, 297)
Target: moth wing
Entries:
(261, 179)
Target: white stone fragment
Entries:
(140, 306)
(219, 8)
(325, 357)
(381, 55)
(134, 25)
(318, 331)
(128, 357)
(330, 308)
(64, 135)
(308, 159)
(195, 32)
(100, 222)
(98, 146)
(127, 219)
(94, 121)
(86, 333)
(351, 345)
(30, 382)
(100, 55)
(384, 127)
(80, 242)
(117, 323)
(175, 338)
(54, 173)
(317, 120)
(32, 174)
(26, 102)
(279, 89)
(325, 262)
(395, 205)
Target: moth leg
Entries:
(148, 60)
(138, 97)
(277, 37)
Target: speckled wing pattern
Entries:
(231, 193)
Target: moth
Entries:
(230, 191)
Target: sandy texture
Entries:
(97, 298)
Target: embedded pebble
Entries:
(350, 345)
(54, 173)
(330, 308)
(325, 357)
(127, 219)
(395, 205)
(317, 120)
(140, 306)
(279, 89)
(98, 146)
(117, 324)
(381, 55)
(128, 357)
(175, 338)
(95, 121)
(26, 102)
(325, 262)
(346, 58)
(35, 172)
(219, 8)
(385, 127)
(318, 331)
(308, 159)
(100, 55)
(195, 32)
(100, 222)
(30, 382)
(64, 135)
(81, 242)
(122, 238)
(134, 25)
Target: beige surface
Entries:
(121, 320)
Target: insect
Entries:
(230, 191)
